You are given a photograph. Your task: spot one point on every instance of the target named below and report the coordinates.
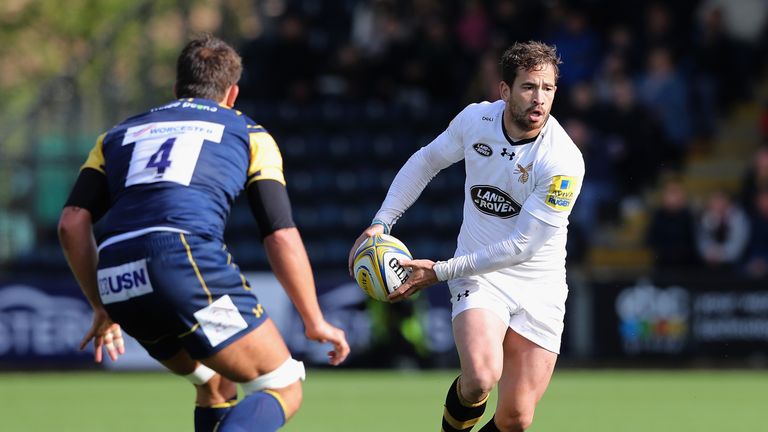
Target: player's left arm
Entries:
(271, 207)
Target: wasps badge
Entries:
(525, 172)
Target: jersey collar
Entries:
(519, 142)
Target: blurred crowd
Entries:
(726, 234)
(644, 85)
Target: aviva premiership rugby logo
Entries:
(561, 192)
(494, 201)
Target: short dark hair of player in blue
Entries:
(205, 68)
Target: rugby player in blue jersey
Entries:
(162, 184)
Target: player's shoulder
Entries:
(479, 116)
(483, 111)
(562, 149)
(252, 126)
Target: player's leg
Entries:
(528, 369)
(270, 378)
(215, 396)
(478, 334)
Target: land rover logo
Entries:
(494, 201)
(483, 149)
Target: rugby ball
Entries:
(376, 265)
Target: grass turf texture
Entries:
(340, 401)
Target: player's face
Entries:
(529, 99)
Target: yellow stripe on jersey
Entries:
(197, 270)
(266, 161)
(96, 156)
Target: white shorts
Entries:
(540, 323)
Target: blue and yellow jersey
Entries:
(180, 166)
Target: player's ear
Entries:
(232, 92)
(504, 91)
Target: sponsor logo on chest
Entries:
(493, 201)
(123, 282)
(483, 149)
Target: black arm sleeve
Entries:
(270, 206)
(90, 192)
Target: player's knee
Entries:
(292, 398)
(215, 391)
(209, 386)
(514, 421)
(285, 381)
(478, 383)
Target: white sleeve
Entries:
(529, 236)
(419, 170)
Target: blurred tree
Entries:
(69, 70)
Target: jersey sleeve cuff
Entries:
(442, 270)
(382, 223)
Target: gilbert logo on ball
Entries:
(377, 268)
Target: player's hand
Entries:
(106, 334)
(323, 332)
(369, 232)
(421, 276)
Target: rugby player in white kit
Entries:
(507, 277)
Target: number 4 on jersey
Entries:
(161, 158)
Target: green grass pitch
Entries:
(342, 400)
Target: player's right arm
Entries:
(87, 202)
(287, 256)
(413, 177)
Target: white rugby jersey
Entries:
(541, 176)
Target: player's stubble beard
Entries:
(520, 118)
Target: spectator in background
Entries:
(744, 21)
(756, 259)
(283, 67)
(755, 180)
(510, 21)
(580, 48)
(665, 93)
(722, 232)
(713, 58)
(634, 138)
(662, 29)
(670, 233)
(582, 104)
(598, 195)
(483, 84)
(473, 28)
(612, 69)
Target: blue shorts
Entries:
(175, 291)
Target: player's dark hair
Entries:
(528, 56)
(206, 67)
